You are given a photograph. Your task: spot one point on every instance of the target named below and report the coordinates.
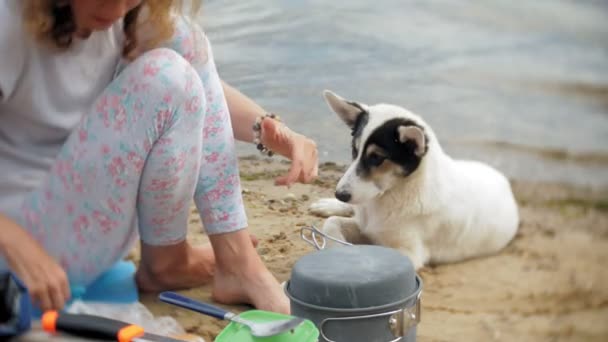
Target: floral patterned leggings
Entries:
(158, 137)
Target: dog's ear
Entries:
(348, 111)
(415, 134)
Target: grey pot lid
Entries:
(359, 276)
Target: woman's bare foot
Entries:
(254, 285)
(176, 267)
(242, 278)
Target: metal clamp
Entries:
(400, 321)
(405, 319)
(316, 235)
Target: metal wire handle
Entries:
(316, 234)
(400, 321)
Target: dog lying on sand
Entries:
(403, 191)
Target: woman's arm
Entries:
(243, 113)
(301, 150)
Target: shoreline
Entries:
(521, 163)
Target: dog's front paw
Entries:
(326, 207)
(417, 259)
(333, 229)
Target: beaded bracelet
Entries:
(257, 133)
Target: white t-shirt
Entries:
(44, 96)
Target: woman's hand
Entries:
(44, 278)
(301, 150)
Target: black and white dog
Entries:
(403, 191)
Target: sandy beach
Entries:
(549, 284)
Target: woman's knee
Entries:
(167, 81)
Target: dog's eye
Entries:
(375, 159)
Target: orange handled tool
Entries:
(96, 327)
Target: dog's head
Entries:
(389, 144)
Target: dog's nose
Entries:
(343, 196)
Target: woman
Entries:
(112, 120)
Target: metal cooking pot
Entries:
(357, 293)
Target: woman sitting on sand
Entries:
(107, 137)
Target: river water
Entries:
(522, 85)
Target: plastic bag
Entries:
(134, 313)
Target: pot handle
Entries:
(400, 321)
(316, 235)
(405, 319)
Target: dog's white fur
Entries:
(446, 211)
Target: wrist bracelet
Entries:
(257, 133)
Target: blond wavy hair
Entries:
(51, 23)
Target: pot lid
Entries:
(358, 276)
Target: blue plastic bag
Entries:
(15, 306)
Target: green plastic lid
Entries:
(235, 332)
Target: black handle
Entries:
(90, 326)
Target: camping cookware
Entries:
(357, 293)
